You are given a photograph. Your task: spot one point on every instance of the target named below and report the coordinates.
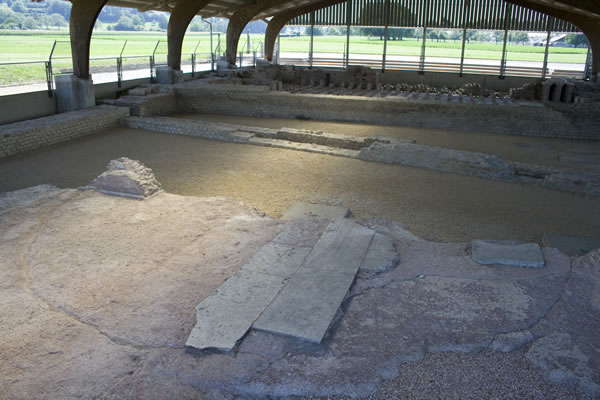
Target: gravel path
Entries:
(433, 205)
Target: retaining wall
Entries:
(518, 118)
(28, 135)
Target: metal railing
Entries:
(151, 61)
(430, 66)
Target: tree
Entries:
(333, 31)
(19, 7)
(57, 20)
(456, 35)
(124, 24)
(12, 22)
(196, 26)
(519, 37)
(498, 36)
(318, 31)
(163, 22)
(5, 13)
(138, 22)
(60, 7)
(577, 40)
(29, 23)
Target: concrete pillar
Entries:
(83, 17)
(279, 20)
(181, 16)
(76, 91)
(236, 25)
(165, 75)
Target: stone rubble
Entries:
(127, 178)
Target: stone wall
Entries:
(28, 135)
(148, 104)
(516, 118)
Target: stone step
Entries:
(308, 303)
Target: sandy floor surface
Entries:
(433, 205)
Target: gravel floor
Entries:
(485, 375)
(434, 205)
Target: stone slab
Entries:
(225, 317)
(278, 259)
(341, 248)
(570, 245)
(307, 304)
(507, 252)
(309, 210)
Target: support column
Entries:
(425, 17)
(83, 17)
(348, 23)
(182, 15)
(312, 37)
(278, 22)
(507, 17)
(549, 23)
(76, 91)
(385, 33)
(464, 36)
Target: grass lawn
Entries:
(18, 46)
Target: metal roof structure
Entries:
(215, 8)
(443, 14)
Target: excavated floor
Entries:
(98, 297)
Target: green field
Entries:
(36, 46)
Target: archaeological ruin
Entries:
(293, 230)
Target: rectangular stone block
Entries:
(507, 252)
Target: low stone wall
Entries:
(150, 104)
(378, 149)
(28, 135)
(516, 118)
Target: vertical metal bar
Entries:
(507, 16)
(278, 49)
(425, 16)
(49, 77)
(385, 33)
(119, 71)
(348, 21)
(152, 69)
(249, 44)
(464, 36)
(587, 73)
(312, 33)
(193, 64)
(212, 58)
(462, 53)
(545, 64)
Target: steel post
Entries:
(212, 57)
(507, 16)
(549, 23)
(312, 34)
(385, 34)
(348, 22)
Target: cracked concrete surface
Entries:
(98, 293)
